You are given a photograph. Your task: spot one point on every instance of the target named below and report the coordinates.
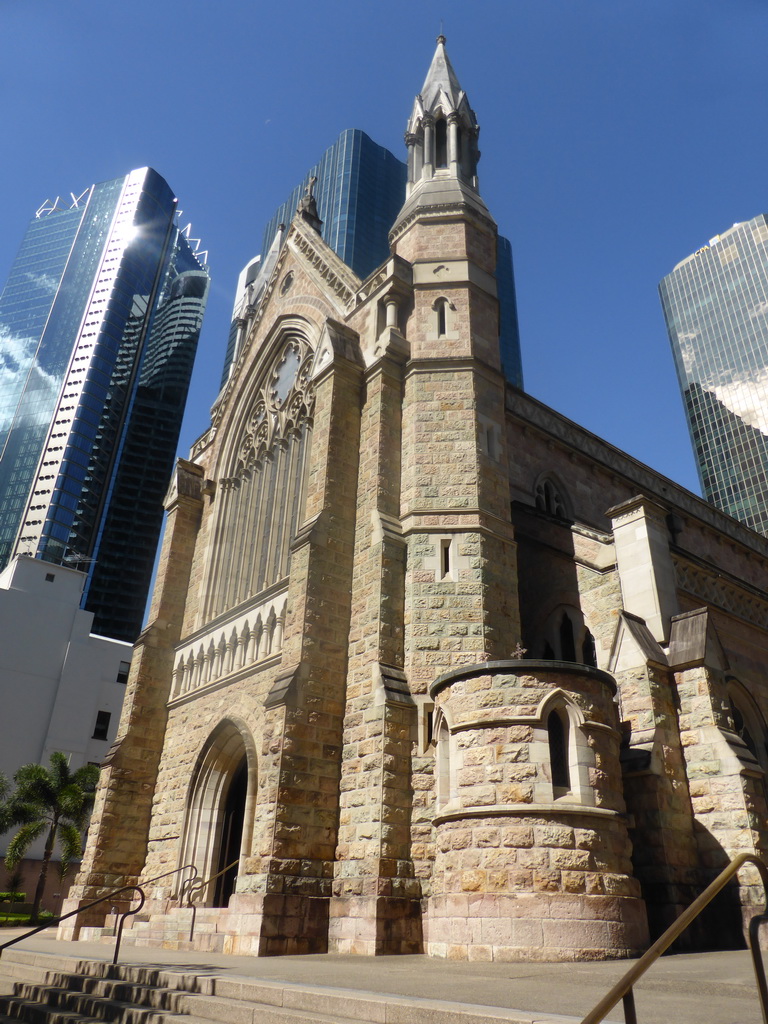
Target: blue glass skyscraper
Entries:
(716, 307)
(360, 191)
(99, 323)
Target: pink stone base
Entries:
(94, 918)
(537, 926)
(276, 925)
(374, 926)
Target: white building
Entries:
(61, 686)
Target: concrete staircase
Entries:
(53, 989)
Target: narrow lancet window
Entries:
(441, 318)
(558, 754)
(441, 143)
(567, 643)
(588, 650)
(445, 558)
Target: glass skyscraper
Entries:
(716, 306)
(99, 323)
(360, 191)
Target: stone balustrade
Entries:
(241, 640)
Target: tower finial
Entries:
(441, 37)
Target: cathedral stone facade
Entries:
(428, 666)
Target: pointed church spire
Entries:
(441, 78)
(442, 131)
(442, 138)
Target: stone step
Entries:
(47, 1004)
(105, 1000)
(51, 989)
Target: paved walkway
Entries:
(700, 988)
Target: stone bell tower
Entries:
(434, 585)
(461, 591)
(497, 833)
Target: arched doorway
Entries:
(233, 819)
(219, 818)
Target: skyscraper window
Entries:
(99, 323)
(716, 307)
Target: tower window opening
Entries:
(567, 643)
(445, 558)
(558, 754)
(441, 318)
(742, 729)
(589, 650)
(441, 143)
(548, 499)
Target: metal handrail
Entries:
(195, 891)
(87, 906)
(184, 884)
(623, 988)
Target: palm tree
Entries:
(4, 788)
(55, 801)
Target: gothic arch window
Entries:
(567, 640)
(445, 763)
(551, 498)
(566, 757)
(588, 649)
(566, 637)
(557, 735)
(748, 722)
(442, 316)
(441, 143)
(263, 480)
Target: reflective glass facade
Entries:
(99, 324)
(509, 333)
(360, 191)
(716, 306)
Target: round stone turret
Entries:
(533, 857)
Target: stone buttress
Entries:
(119, 828)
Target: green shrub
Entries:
(13, 897)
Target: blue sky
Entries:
(617, 137)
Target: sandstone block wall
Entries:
(524, 869)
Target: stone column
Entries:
(414, 168)
(453, 143)
(117, 837)
(376, 907)
(428, 168)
